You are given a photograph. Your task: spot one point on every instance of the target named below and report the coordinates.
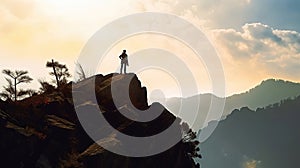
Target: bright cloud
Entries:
(276, 51)
(214, 13)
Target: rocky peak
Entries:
(51, 133)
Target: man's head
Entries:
(124, 51)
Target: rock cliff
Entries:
(44, 130)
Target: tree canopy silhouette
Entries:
(46, 87)
(60, 71)
(17, 77)
(190, 140)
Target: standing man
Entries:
(124, 61)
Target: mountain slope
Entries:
(187, 109)
(268, 138)
(268, 92)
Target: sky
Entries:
(254, 39)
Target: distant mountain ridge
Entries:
(266, 138)
(267, 92)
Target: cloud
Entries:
(277, 51)
(214, 13)
(249, 52)
(41, 30)
(30, 37)
(46, 29)
(261, 31)
(231, 13)
(20, 9)
(33, 32)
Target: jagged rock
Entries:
(51, 135)
(60, 123)
(96, 148)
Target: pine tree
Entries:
(17, 77)
(60, 71)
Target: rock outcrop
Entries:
(44, 131)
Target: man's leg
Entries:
(124, 68)
(121, 68)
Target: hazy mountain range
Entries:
(266, 138)
(267, 92)
(260, 129)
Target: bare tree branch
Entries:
(80, 72)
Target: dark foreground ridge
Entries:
(44, 131)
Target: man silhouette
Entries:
(124, 61)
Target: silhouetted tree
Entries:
(190, 141)
(46, 87)
(9, 91)
(60, 72)
(18, 77)
(30, 92)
